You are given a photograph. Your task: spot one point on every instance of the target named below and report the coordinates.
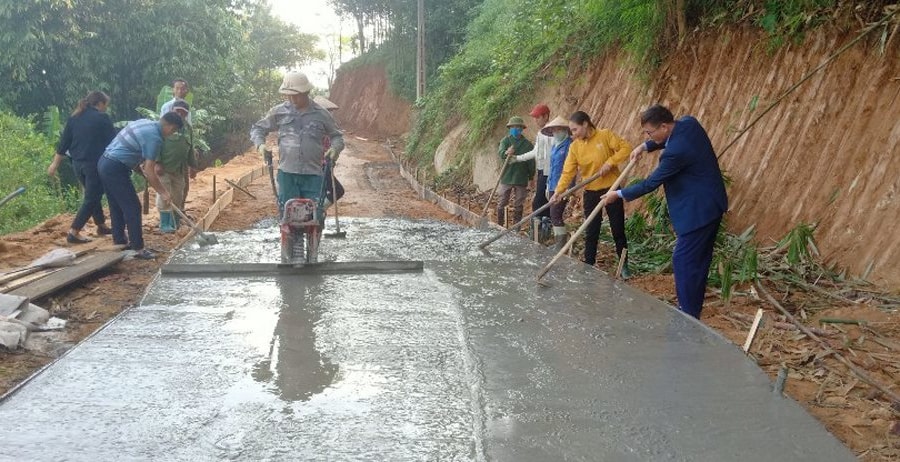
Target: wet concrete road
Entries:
(466, 361)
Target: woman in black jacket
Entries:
(88, 131)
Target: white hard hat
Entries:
(295, 82)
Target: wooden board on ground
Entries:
(68, 275)
(343, 267)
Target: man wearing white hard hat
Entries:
(302, 125)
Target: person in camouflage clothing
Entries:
(302, 125)
(175, 160)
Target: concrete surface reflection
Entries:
(294, 365)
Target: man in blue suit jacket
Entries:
(695, 193)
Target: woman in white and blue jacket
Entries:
(558, 128)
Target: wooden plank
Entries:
(18, 273)
(344, 267)
(16, 283)
(753, 329)
(69, 275)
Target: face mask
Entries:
(515, 131)
(559, 137)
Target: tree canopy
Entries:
(58, 50)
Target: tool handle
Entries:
(499, 178)
(12, 195)
(587, 221)
(562, 196)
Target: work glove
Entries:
(265, 153)
(332, 154)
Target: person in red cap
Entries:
(541, 156)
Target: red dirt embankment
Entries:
(367, 104)
(829, 154)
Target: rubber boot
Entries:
(177, 219)
(559, 238)
(501, 216)
(166, 222)
(626, 274)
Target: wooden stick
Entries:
(546, 206)
(753, 330)
(499, 178)
(146, 205)
(621, 263)
(215, 196)
(853, 368)
(239, 188)
(587, 221)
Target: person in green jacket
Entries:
(176, 158)
(514, 179)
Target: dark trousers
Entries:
(558, 212)
(124, 205)
(540, 195)
(616, 214)
(690, 263)
(91, 205)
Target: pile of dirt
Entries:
(368, 106)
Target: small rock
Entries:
(12, 335)
(34, 314)
(52, 344)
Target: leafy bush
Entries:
(25, 154)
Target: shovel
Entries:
(203, 239)
(337, 224)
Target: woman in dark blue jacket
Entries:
(88, 131)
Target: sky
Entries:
(313, 17)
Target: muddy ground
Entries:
(848, 407)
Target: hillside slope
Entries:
(829, 154)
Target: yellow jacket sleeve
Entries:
(621, 149)
(570, 167)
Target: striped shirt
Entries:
(139, 140)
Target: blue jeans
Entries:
(690, 262)
(124, 205)
(91, 206)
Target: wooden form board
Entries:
(354, 267)
(224, 200)
(68, 275)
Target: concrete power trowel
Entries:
(301, 230)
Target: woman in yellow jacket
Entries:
(594, 151)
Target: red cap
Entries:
(539, 110)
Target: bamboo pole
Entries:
(846, 362)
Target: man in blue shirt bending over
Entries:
(695, 194)
(139, 142)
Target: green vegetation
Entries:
(24, 156)
(55, 52)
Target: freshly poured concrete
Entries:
(466, 361)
